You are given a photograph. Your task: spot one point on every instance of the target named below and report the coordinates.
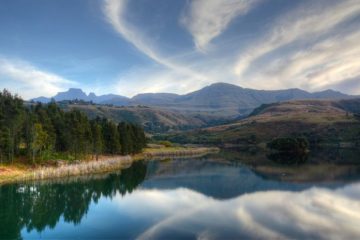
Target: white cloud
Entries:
(150, 80)
(207, 19)
(28, 81)
(301, 24)
(319, 53)
(327, 63)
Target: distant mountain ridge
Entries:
(222, 99)
(77, 93)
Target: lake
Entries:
(227, 195)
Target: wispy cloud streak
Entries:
(207, 19)
(309, 47)
(115, 12)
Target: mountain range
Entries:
(220, 99)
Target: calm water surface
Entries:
(231, 195)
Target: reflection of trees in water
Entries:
(288, 158)
(37, 206)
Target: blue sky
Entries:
(128, 47)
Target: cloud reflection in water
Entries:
(314, 213)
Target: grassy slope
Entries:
(152, 119)
(322, 121)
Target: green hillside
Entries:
(152, 119)
(321, 122)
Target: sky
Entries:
(136, 46)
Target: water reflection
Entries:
(321, 165)
(37, 206)
(288, 158)
(211, 197)
(316, 214)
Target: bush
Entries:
(166, 143)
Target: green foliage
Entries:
(11, 121)
(40, 140)
(43, 132)
(97, 139)
(293, 145)
(165, 143)
(111, 137)
(132, 138)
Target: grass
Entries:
(23, 172)
(177, 151)
(9, 173)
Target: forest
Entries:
(42, 132)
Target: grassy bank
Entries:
(176, 152)
(22, 172)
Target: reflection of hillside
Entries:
(232, 173)
(322, 165)
(326, 173)
(213, 178)
(37, 206)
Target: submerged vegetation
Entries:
(45, 132)
(289, 145)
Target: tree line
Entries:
(45, 131)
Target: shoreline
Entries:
(23, 173)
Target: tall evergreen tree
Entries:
(11, 121)
(97, 139)
(40, 141)
(111, 137)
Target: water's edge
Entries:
(109, 164)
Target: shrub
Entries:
(166, 143)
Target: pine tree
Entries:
(40, 141)
(11, 120)
(139, 138)
(111, 137)
(125, 140)
(97, 140)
